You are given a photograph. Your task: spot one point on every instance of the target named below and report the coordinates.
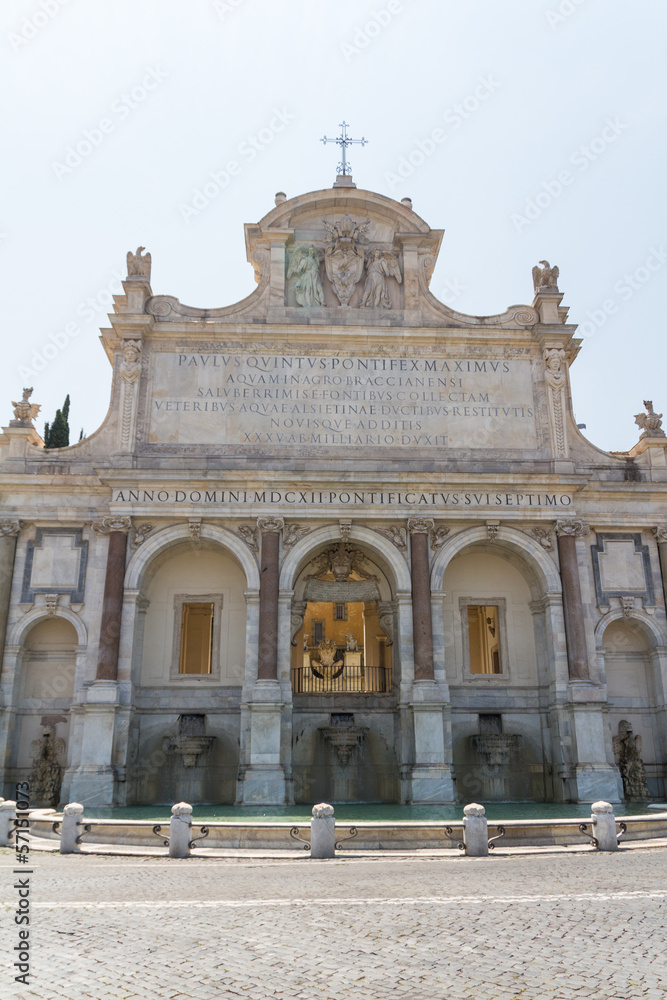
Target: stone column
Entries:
(95, 780)
(112, 604)
(8, 532)
(419, 528)
(575, 630)
(661, 539)
(262, 778)
(267, 661)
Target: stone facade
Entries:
(337, 451)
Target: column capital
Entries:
(112, 522)
(660, 534)
(573, 528)
(420, 525)
(270, 525)
(9, 528)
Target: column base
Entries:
(92, 786)
(595, 782)
(428, 783)
(262, 784)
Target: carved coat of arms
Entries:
(344, 258)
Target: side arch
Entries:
(19, 632)
(528, 550)
(647, 626)
(372, 540)
(165, 538)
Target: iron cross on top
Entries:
(344, 168)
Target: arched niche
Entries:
(630, 654)
(47, 665)
(186, 574)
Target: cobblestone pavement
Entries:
(547, 927)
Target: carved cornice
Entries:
(112, 522)
(573, 528)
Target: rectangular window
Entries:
(196, 639)
(340, 612)
(318, 633)
(484, 639)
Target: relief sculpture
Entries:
(379, 267)
(304, 267)
(344, 257)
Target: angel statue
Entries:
(650, 422)
(627, 753)
(304, 265)
(545, 276)
(379, 267)
(24, 411)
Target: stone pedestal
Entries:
(94, 781)
(70, 828)
(593, 776)
(603, 822)
(262, 781)
(475, 831)
(180, 830)
(430, 776)
(323, 832)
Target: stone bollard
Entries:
(475, 831)
(323, 832)
(603, 822)
(180, 830)
(7, 822)
(69, 828)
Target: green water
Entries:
(351, 813)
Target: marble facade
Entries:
(338, 436)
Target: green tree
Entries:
(57, 434)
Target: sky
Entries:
(526, 129)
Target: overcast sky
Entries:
(550, 121)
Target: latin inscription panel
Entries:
(316, 401)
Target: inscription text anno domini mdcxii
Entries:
(311, 400)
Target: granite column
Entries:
(422, 623)
(267, 659)
(112, 604)
(8, 533)
(575, 629)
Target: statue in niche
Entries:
(304, 267)
(650, 422)
(627, 753)
(379, 267)
(46, 774)
(25, 411)
(344, 257)
(545, 276)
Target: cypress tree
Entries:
(57, 436)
